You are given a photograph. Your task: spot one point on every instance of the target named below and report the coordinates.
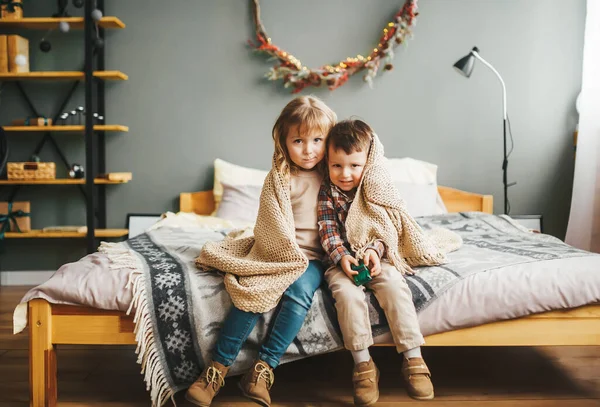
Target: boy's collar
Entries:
(349, 194)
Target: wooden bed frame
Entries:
(51, 325)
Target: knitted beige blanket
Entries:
(378, 213)
(260, 268)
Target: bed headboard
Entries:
(203, 202)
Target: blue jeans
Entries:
(285, 325)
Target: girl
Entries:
(281, 264)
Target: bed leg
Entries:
(42, 356)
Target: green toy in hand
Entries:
(363, 276)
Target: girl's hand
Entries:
(346, 263)
(371, 260)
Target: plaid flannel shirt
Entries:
(332, 211)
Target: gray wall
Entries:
(196, 93)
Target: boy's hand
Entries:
(371, 260)
(346, 263)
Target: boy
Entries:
(348, 148)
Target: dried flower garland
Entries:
(298, 76)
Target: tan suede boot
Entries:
(366, 383)
(417, 378)
(257, 382)
(203, 390)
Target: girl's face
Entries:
(306, 149)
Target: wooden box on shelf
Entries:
(24, 222)
(7, 14)
(31, 171)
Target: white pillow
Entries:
(232, 174)
(239, 203)
(420, 199)
(410, 171)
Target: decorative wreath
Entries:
(295, 75)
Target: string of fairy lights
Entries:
(294, 74)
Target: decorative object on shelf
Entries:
(11, 9)
(21, 60)
(45, 45)
(295, 75)
(62, 6)
(18, 54)
(96, 15)
(15, 217)
(464, 66)
(76, 116)
(74, 229)
(3, 53)
(35, 158)
(116, 176)
(31, 171)
(76, 171)
(63, 26)
(32, 121)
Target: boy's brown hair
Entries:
(350, 135)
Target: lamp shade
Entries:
(465, 65)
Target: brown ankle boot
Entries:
(257, 382)
(203, 390)
(417, 378)
(366, 383)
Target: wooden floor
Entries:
(483, 377)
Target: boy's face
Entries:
(345, 170)
(306, 149)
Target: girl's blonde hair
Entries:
(309, 113)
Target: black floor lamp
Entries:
(465, 67)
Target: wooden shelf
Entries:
(46, 23)
(36, 234)
(61, 75)
(65, 128)
(59, 181)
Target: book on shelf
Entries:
(3, 53)
(18, 46)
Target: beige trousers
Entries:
(395, 298)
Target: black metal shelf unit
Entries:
(95, 141)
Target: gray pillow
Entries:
(239, 202)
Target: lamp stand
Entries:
(504, 171)
(505, 123)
